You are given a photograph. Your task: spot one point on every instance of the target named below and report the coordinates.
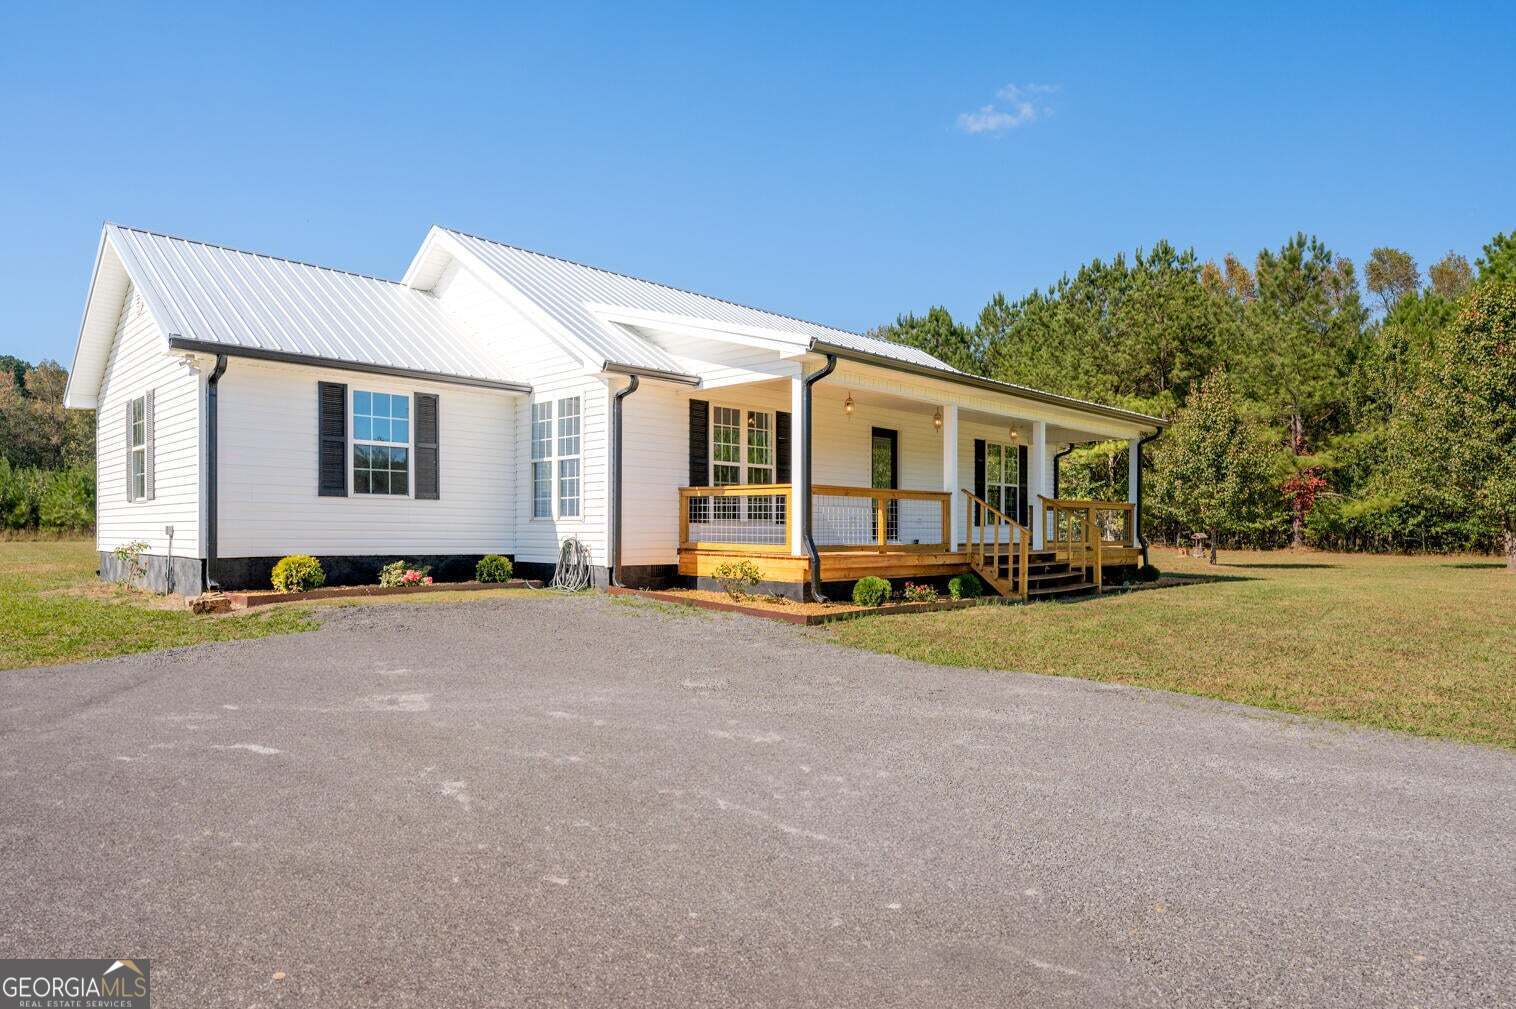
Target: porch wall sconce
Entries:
(847, 405)
(937, 419)
(1015, 434)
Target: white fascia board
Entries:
(102, 310)
(779, 341)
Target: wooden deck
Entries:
(899, 534)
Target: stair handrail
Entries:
(1019, 587)
(1091, 542)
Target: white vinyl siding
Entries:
(268, 501)
(168, 491)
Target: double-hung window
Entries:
(381, 443)
(742, 452)
(1002, 478)
(139, 448)
(557, 458)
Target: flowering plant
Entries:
(402, 575)
(915, 593)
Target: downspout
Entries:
(1058, 456)
(615, 572)
(1137, 511)
(210, 472)
(805, 478)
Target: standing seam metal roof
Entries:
(563, 288)
(216, 295)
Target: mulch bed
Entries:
(245, 600)
(802, 614)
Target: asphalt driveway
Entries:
(578, 802)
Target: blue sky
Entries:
(843, 165)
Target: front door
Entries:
(885, 474)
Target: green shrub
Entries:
(871, 591)
(919, 593)
(736, 577)
(492, 568)
(68, 500)
(298, 573)
(966, 586)
(1148, 573)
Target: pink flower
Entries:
(427, 580)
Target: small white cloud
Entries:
(1016, 105)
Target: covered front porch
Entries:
(871, 475)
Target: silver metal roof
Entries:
(563, 289)
(210, 295)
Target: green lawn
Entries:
(1421, 644)
(53, 609)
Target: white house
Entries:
(496, 400)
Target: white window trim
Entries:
(1008, 450)
(710, 448)
(410, 447)
(553, 458)
(136, 451)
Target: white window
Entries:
(742, 452)
(139, 448)
(1002, 478)
(381, 443)
(568, 457)
(557, 450)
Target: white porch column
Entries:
(1037, 479)
(799, 439)
(950, 472)
(1133, 466)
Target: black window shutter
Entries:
(781, 447)
(700, 443)
(1024, 504)
(428, 482)
(978, 474)
(331, 466)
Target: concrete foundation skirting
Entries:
(182, 575)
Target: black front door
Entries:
(885, 474)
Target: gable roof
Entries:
(568, 293)
(220, 300)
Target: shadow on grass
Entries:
(1284, 565)
(1479, 565)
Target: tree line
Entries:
(1309, 405)
(47, 453)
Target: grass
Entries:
(53, 609)
(1420, 644)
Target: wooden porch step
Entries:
(1053, 591)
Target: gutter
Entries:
(615, 573)
(286, 357)
(209, 484)
(1137, 510)
(805, 477)
(654, 373)
(1004, 388)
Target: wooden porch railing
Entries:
(1080, 530)
(759, 518)
(985, 524)
(752, 517)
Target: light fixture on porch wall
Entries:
(937, 420)
(847, 405)
(1014, 433)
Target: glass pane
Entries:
(381, 429)
(992, 464)
(360, 456)
(362, 402)
(399, 458)
(363, 428)
(723, 475)
(399, 482)
(400, 431)
(992, 495)
(760, 474)
(360, 481)
(379, 481)
(400, 406)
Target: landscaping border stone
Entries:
(812, 619)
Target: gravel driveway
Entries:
(580, 802)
